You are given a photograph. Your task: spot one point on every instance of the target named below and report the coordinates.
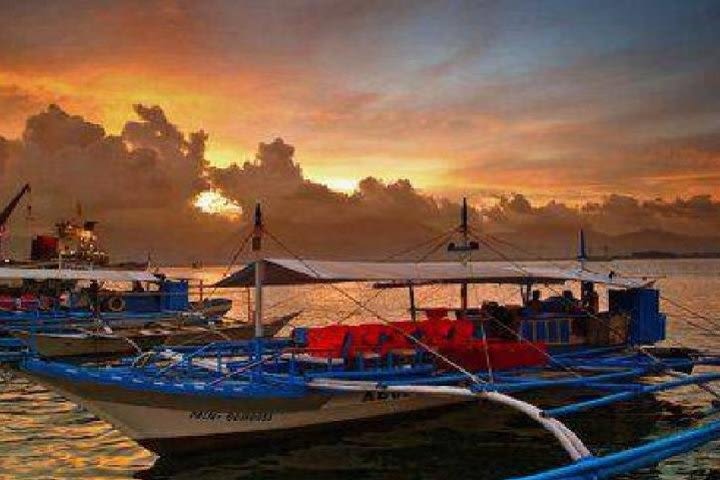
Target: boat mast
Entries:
(582, 253)
(259, 271)
(464, 231)
(465, 249)
(588, 297)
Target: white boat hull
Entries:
(198, 423)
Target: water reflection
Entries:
(472, 441)
(44, 436)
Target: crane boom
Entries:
(8, 210)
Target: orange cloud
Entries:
(443, 96)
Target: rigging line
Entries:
(469, 374)
(433, 291)
(231, 237)
(420, 245)
(703, 328)
(547, 355)
(635, 348)
(713, 321)
(201, 335)
(486, 345)
(284, 301)
(435, 248)
(442, 237)
(357, 309)
(523, 339)
(524, 271)
(554, 263)
(231, 264)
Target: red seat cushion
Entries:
(436, 332)
(327, 341)
(7, 302)
(367, 338)
(463, 331)
(397, 336)
(408, 327)
(504, 355)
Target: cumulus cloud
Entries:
(615, 214)
(138, 184)
(277, 179)
(141, 183)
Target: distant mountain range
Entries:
(407, 240)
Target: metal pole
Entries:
(259, 270)
(582, 251)
(413, 308)
(259, 267)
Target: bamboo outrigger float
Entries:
(230, 393)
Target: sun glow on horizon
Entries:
(344, 185)
(215, 203)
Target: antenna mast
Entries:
(465, 249)
(582, 253)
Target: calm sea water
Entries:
(44, 436)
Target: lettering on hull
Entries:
(213, 416)
(379, 396)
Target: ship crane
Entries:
(9, 209)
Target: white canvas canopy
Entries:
(99, 275)
(298, 272)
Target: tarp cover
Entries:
(99, 275)
(298, 272)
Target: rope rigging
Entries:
(654, 358)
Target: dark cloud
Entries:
(141, 184)
(275, 178)
(54, 130)
(4, 155)
(615, 215)
(138, 184)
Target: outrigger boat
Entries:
(47, 298)
(229, 393)
(108, 343)
(68, 305)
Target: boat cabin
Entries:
(478, 337)
(46, 290)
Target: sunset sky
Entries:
(570, 100)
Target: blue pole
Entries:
(618, 397)
(629, 460)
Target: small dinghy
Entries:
(109, 343)
(77, 344)
(61, 299)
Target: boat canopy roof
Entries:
(99, 275)
(388, 274)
